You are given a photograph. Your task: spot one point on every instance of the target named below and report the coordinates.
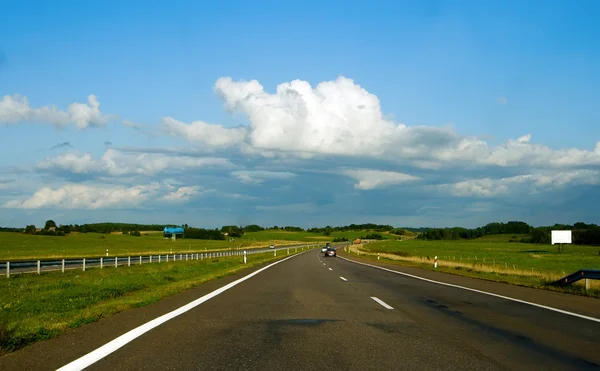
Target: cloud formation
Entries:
(82, 196)
(62, 145)
(531, 183)
(131, 124)
(340, 118)
(15, 109)
(117, 163)
(370, 179)
(260, 176)
(182, 194)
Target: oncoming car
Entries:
(330, 252)
(324, 249)
(272, 247)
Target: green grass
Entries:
(491, 258)
(34, 308)
(490, 251)
(14, 246)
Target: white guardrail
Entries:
(49, 265)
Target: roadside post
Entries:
(377, 256)
(587, 284)
(83, 265)
(38, 267)
(101, 262)
(7, 269)
(115, 261)
(244, 256)
(129, 261)
(63, 266)
(435, 262)
(106, 252)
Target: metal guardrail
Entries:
(49, 265)
(582, 274)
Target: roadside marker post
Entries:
(101, 261)
(7, 269)
(63, 266)
(83, 265)
(377, 256)
(435, 262)
(274, 252)
(140, 260)
(244, 256)
(129, 261)
(38, 267)
(115, 261)
(106, 252)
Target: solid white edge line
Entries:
(113, 345)
(343, 279)
(481, 292)
(383, 304)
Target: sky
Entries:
(313, 113)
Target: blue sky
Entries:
(408, 113)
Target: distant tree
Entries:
(49, 224)
(30, 229)
(253, 228)
(66, 229)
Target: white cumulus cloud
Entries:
(182, 194)
(82, 196)
(117, 163)
(211, 135)
(370, 179)
(16, 109)
(259, 176)
(530, 183)
(341, 118)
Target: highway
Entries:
(315, 313)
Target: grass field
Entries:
(15, 246)
(492, 257)
(34, 308)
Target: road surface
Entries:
(317, 313)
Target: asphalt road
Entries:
(301, 315)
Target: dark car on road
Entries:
(330, 252)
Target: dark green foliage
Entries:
(340, 239)
(30, 229)
(253, 228)
(232, 230)
(373, 236)
(203, 234)
(49, 224)
(353, 227)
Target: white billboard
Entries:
(561, 237)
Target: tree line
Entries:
(582, 233)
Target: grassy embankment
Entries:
(492, 258)
(16, 246)
(34, 308)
